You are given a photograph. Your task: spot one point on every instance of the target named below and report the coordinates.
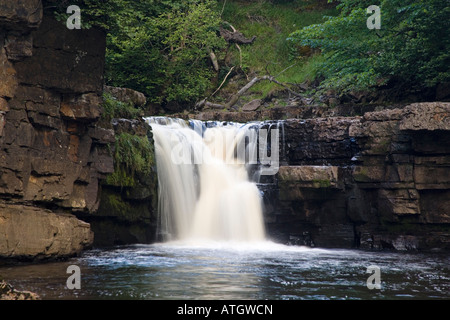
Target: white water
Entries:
(204, 190)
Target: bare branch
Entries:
(225, 79)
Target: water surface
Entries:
(237, 271)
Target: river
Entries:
(237, 271)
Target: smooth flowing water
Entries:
(204, 187)
(216, 271)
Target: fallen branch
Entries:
(223, 82)
(235, 36)
(214, 61)
(235, 98)
(205, 103)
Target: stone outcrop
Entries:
(30, 233)
(128, 206)
(7, 292)
(52, 153)
(381, 180)
(127, 95)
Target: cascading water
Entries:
(204, 188)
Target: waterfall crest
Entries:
(204, 188)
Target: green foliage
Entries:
(412, 46)
(112, 108)
(133, 156)
(158, 47)
(272, 22)
(162, 50)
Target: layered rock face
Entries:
(128, 207)
(52, 153)
(381, 180)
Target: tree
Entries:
(412, 47)
(159, 47)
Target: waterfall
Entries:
(204, 175)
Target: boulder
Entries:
(127, 95)
(252, 105)
(30, 233)
(7, 292)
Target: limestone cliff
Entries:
(52, 153)
(381, 180)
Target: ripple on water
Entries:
(234, 271)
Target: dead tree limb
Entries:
(214, 61)
(225, 79)
(237, 95)
(235, 98)
(235, 36)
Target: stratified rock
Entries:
(20, 15)
(426, 116)
(19, 47)
(70, 60)
(8, 74)
(37, 234)
(392, 189)
(127, 95)
(85, 107)
(52, 154)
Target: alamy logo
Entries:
(254, 147)
(374, 281)
(74, 281)
(74, 21)
(374, 21)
